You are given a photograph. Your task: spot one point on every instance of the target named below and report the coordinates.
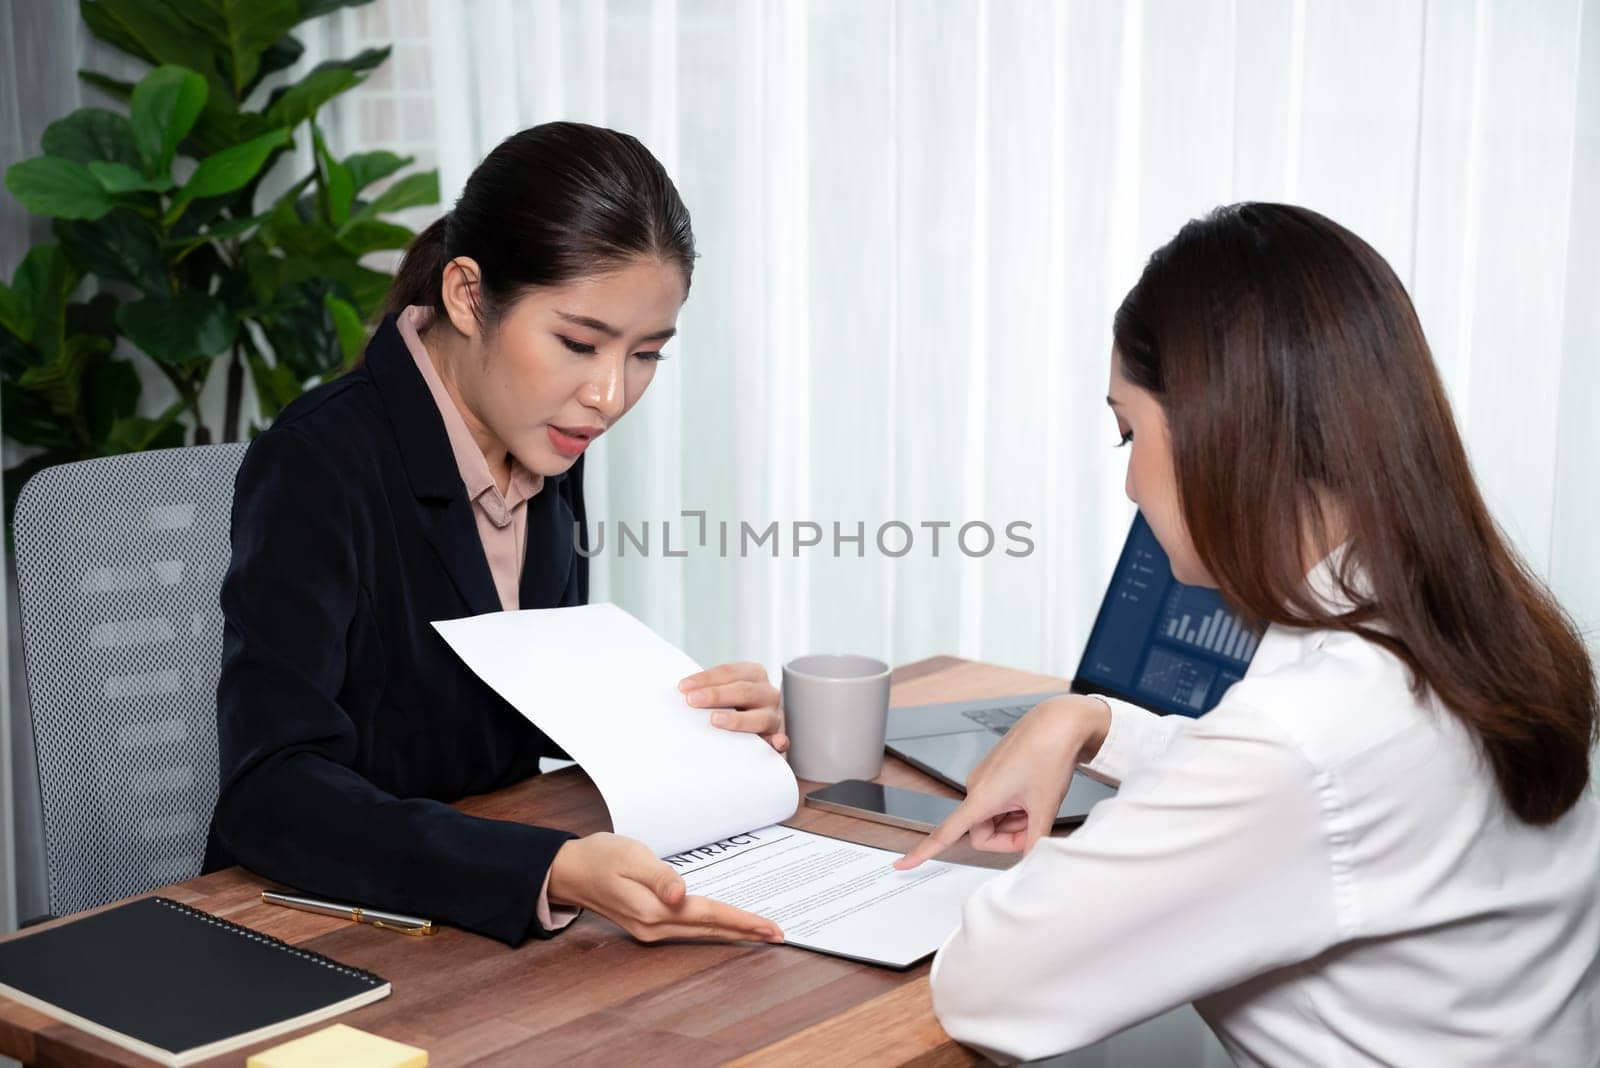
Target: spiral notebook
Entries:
(175, 984)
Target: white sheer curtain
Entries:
(41, 48)
(916, 218)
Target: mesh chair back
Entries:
(119, 570)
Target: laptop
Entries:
(1164, 646)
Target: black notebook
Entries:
(176, 984)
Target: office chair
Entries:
(119, 570)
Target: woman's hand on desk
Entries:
(1013, 795)
(623, 881)
(740, 698)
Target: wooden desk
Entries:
(593, 995)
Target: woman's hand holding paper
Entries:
(623, 881)
(740, 698)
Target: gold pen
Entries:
(389, 921)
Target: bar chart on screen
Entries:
(1171, 647)
(1194, 619)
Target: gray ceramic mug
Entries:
(836, 709)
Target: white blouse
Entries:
(1322, 865)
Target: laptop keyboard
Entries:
(998, 720)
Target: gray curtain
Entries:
(36, 86)
(42, 46)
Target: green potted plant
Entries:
(165, 248)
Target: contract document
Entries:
(604, 687)
(834, 896)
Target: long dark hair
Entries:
(550, 204)
(1292, 369)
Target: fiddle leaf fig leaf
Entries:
(111, 391)
(276, 385)
(156, 31)
(239, 31)
(407, 192)
(117, 178)
(121, 247)
(282, 54)
(367, 167)
(112, 87)
(310, 9)
(58, 188)
(41, 287)
(91, 134)
(222, 124)
(136, 433)
(188, 328)
(59, 382)
(225, 171)
(338, 186)
(361, 236)
(347, 324)
(215, 231)
(12, 314)
(302, 99)
(163, 110)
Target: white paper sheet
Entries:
(605, 687)
(835, 896)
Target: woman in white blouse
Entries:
(1382, 846)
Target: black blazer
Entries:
(345, 721)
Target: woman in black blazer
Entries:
(523, 323)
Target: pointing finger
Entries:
(943, 837)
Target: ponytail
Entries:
(420, 279)
(550, 204)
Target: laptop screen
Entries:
(1159, 643)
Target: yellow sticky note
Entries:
(340, 1046)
